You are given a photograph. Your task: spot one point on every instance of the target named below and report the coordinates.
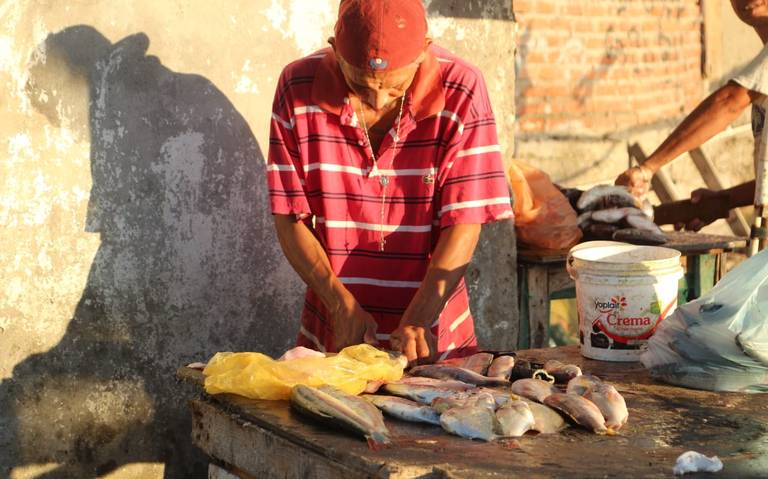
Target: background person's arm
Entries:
(351, 323)
(712, 116)
(446, 268)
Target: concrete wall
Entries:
(135, 233)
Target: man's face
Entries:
(379, 90)
(752, 12)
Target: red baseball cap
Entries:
(380, 35)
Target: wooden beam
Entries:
(661, 183)
(736, 219)
(712, 48)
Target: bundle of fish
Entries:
(609, 212)
(478, 397)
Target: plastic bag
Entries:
(718, 342)
(258, 376)
(543, 216)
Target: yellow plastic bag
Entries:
(258, 376)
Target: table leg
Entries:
(538, 306)
(702, 274)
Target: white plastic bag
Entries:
(718, 342)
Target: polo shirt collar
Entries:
(425, 98)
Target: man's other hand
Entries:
(637, 179)
(417, 343)
(696, 196)
(352, 325)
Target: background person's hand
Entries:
(637, 179)
(353, 325)
(416, 342)
(697, 223)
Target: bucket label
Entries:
(618, 324)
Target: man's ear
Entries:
(332, 43)
(427, 42)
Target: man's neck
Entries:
(762, 32)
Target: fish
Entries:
(581, 384)
(561, 372)
(514, 419)
(600, 230)
(404, 409)
(501, 397)
(584, 219)
(606, 196)
(300, 352)
(611, 405)
(501, 367)
(642, 222)
(638, 236)
(583, 411)
(422, 393)
(615, 215)
(478, 362)
(534, 389)
(445, 371)
(474, 398)
(330, 405)
(441, 383)
(471, 422)
(546, 419)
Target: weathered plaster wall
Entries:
(135, 236)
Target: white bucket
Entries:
(623, 293)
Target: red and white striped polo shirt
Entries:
(446, 169)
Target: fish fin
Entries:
(377, 441)
(611, 432)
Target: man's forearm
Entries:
(308, 258)
(449, 263)
(712, 116)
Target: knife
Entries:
(708, 209)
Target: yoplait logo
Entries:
(616, 303)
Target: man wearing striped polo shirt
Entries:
(383, 165)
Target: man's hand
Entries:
(696, 196)
(416, 342)
(352, 325)
(637, 179)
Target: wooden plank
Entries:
(661, 182)
(665, 421)
(736, 220)
(712, 64)
(538, 305)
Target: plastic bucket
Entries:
(623, 293)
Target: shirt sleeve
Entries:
(285, 173)
(473, 187)
(754, 76)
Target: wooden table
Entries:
(265, 439)
(542, 277)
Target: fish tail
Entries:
(377, 441)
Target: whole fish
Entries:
(606, 196)
(473, 398)
(610, 403)
(642, 222)
(501, 367)
(445, 371)
(562, 372)
(546, 420)
(472, 422)
(515, 419)
(583, 411)
(478, 362)
(440, 383)
(584, 219)
(581, 384)
(330, 405)
(422, 393)
(600, 230)
(501, 397)
(534, 389)
(404, 409)
(300, 352)
(615, 215)
(638, 236)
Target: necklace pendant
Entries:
(384, 180)
(429, 179)
(382, 242)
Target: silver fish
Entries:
(614, 215)
(478, 362)
(562, 372)
(404, 409)
(581, 384)
(440, 383)
(546, 419)
(330, 405)
(472, 422)
(422, 393)
(584, 219)
(515, 419)
(606, 196)
(583, 411)
(468, 399)
(534, 389)
(638, 236)
(445, 371)
(611, 405)
(501, 367)
(643, 223)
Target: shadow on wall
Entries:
(187, 246)
(477, 9)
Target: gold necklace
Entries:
(383, 180)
